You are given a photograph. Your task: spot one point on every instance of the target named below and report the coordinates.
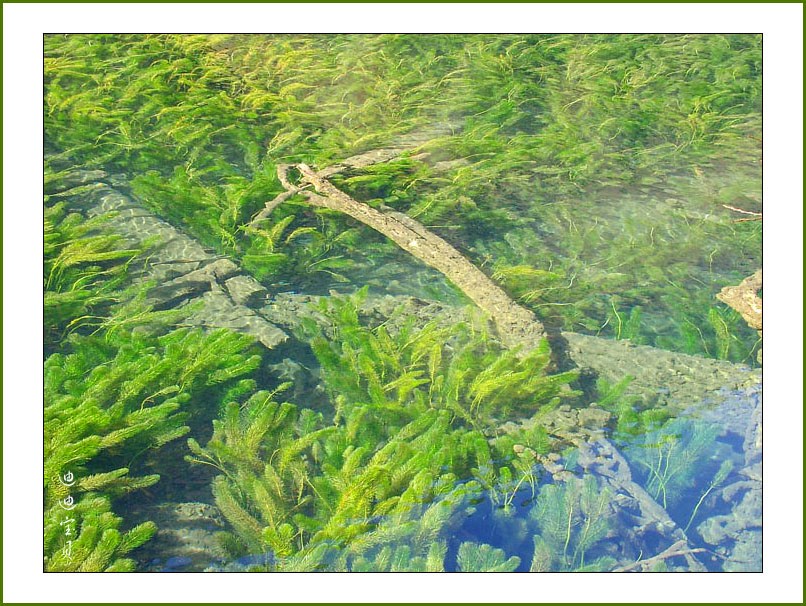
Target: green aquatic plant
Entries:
(325, 250)
(406, 424)
(264, 259)
(572, 519)
(412, 538)
(86, 537)
(721, 474)
(535, 144)
(627, 327)
(108, 404)
(388, 183)
(401, 559)
(633, 419)
(536, 106)
(320, 249)
(275, 488)
(530, 134)
(716, 332)
(408, 371)
(674, 464)
(291, 483)
(83, 269)
(670, 458)
(473, 557)
(88, 274)
(528, 283)
(114, 391)
(133, 310)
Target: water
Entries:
(303, 394)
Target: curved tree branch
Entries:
(516, 325)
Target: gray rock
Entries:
(219, 311)
(186, 537)
(245, 290)
(184, 271)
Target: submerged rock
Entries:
(185, 272)
(737, 535)
(186, 538)
(660, 377)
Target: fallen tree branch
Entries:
(516, 325)
(680, 548)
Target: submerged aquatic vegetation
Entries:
(717, 332)
(572, 518)
(586, 174)
(117, 388)
(292, 483)
(671, 460)
(411, 414)
(417, 368)
(473, 557)
(632, 419)
(725, 468)
(87, 537)
(532, 135)
(107, 405)
(83, 270)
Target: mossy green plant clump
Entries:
(411, 415)
(108, 405)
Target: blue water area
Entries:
(172, 564)
(682, 466)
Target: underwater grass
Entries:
(109, 404)
(119, 385)
(411, 414)
(539, 144)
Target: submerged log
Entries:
(659, 376)
(517, 326)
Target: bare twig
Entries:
(282, 175)
(274, 203)
(755, 216)
(291, 190)
(680, 548)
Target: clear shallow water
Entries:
(694, 467)
(545, 520)
(583, 519)
(617, 479)
(679, 467)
